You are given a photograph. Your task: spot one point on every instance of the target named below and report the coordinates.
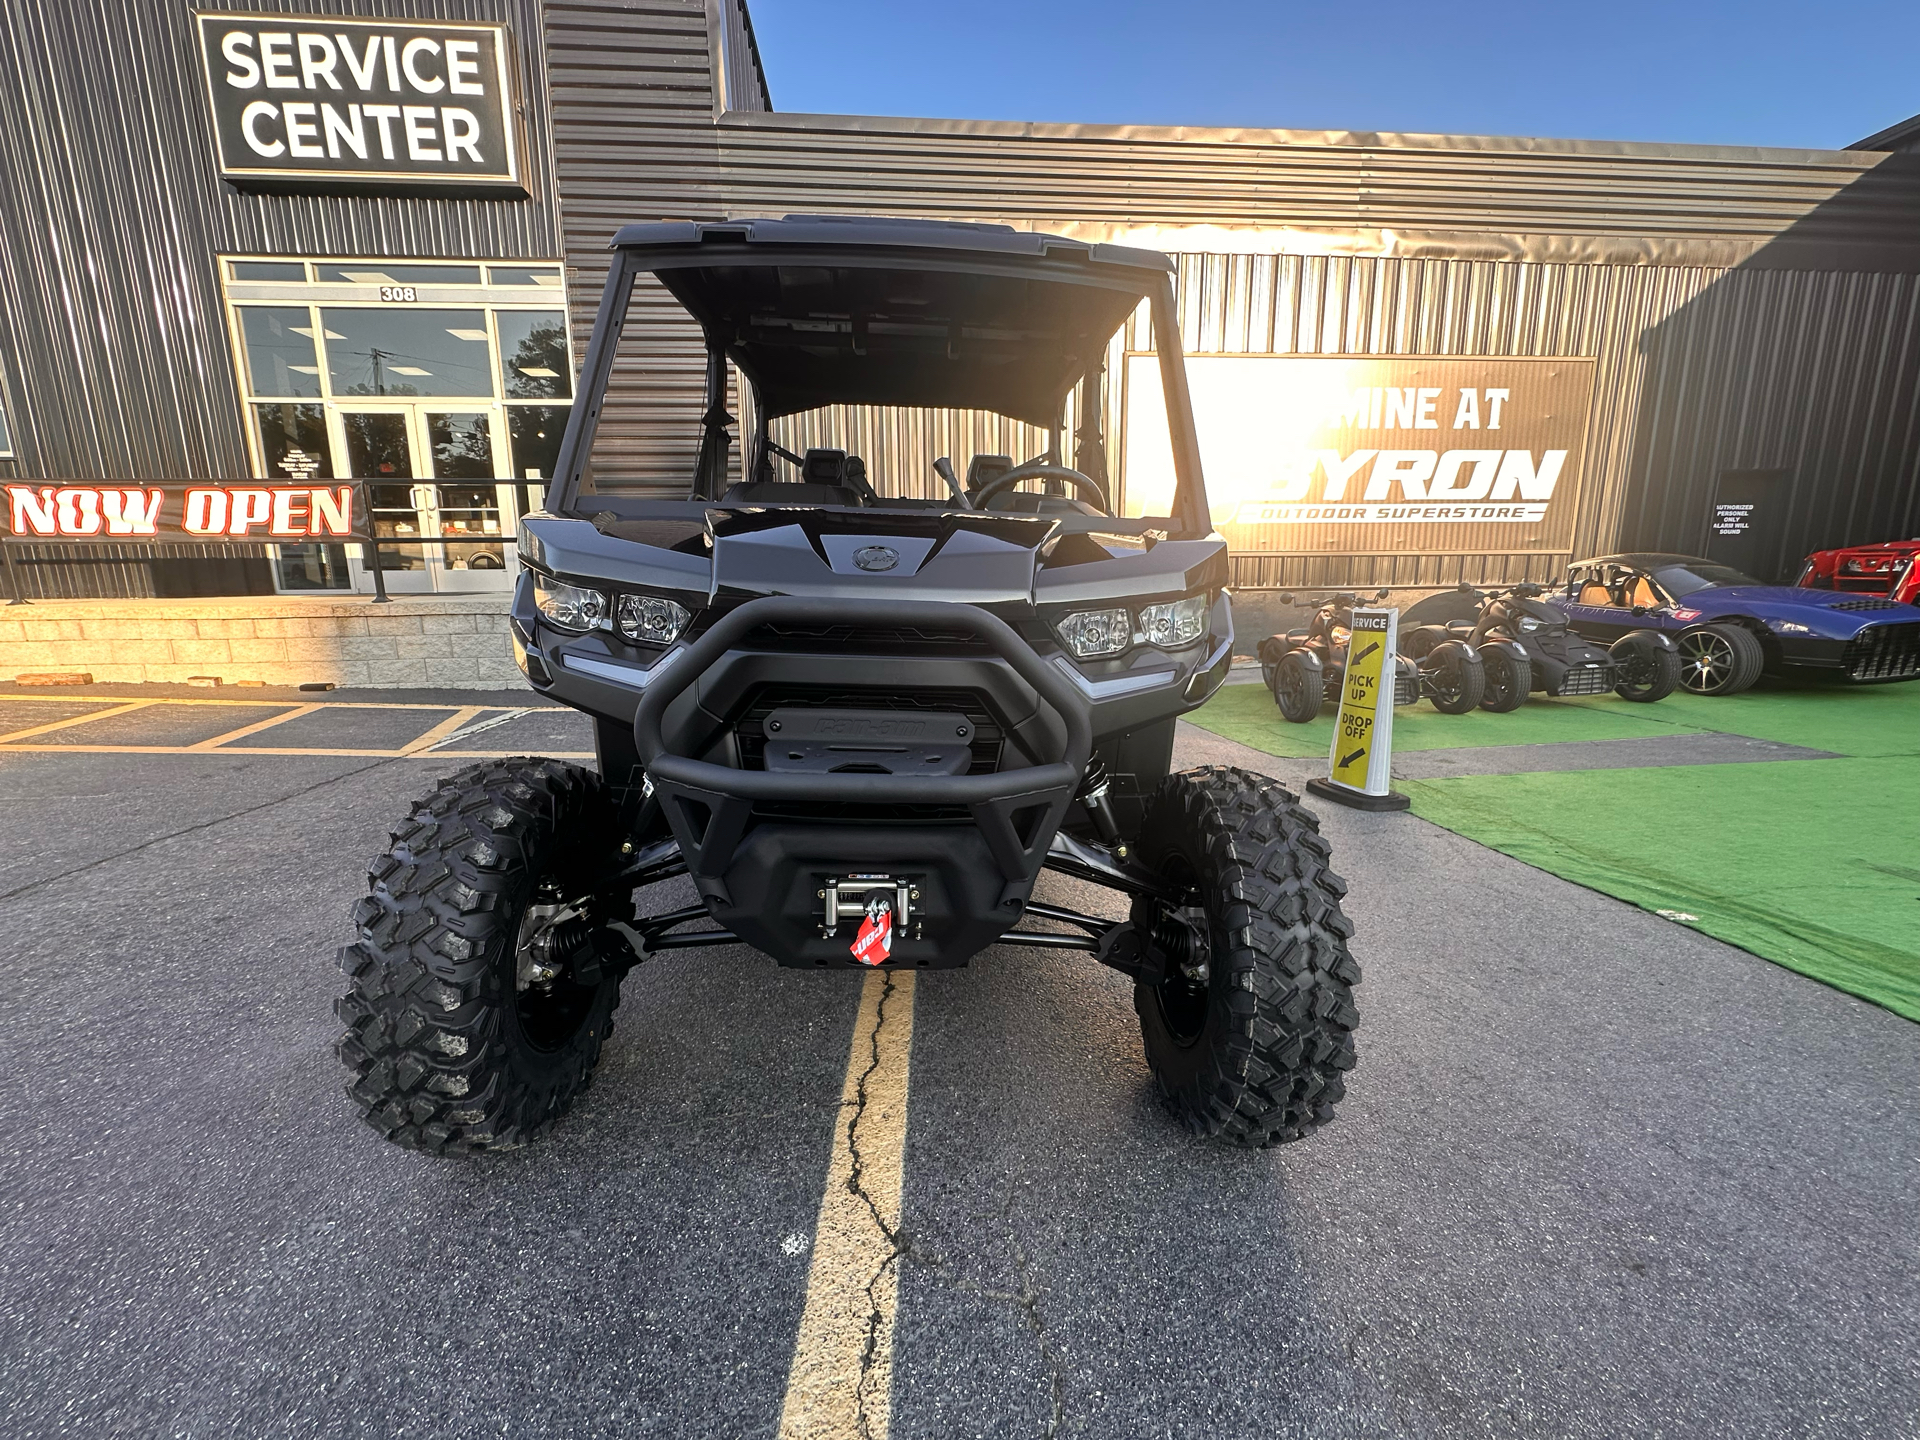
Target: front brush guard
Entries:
(710, 807)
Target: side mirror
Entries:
(1464, 588)
(1382, 593)
(1286, 597)
(1639, 609)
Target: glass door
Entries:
(378, 445)
(442, 520)
(470, 513)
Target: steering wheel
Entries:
(1039, 470)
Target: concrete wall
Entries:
(444, 641)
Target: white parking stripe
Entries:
(442, 731)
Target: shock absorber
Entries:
(1093, 795)
(562, 947)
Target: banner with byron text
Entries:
(1371, 453)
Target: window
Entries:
(446, 384)
(407, 350)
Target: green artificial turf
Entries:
(1813, 864)
(1247, 713)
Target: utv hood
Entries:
(976, 559)
(818, 310)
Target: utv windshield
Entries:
(872, 363)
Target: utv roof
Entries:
(820, 309)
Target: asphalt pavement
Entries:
(1596, 1175)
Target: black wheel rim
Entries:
(1445, 682)
(1499, 680)
(1706, 661)
(1183, 1003)
(1292, 687)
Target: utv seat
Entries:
(983, 469)
(823, 467)
(824, 480)
(1461, 628)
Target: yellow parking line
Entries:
(839, 1384)
(255, 728)
(285, 750)
(10, 697)
(51, 726)
(445, 728)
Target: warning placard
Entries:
(1361, 757)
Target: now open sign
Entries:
(132, 511)
(312, 102)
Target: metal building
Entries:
(1649, 328)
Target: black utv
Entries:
(857, 701)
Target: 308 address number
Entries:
(401, 293)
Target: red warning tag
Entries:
(874, 943)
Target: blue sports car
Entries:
(1731, 629)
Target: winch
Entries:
(845, 897)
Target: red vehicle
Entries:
(1890, 569)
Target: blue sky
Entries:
(1761, 73)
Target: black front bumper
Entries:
(970, 845)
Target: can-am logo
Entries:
(227, 512)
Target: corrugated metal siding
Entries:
(1501, 190)
(129, 572)
(634, 140)
(111, 218)
(1815, 374)
(899, 445)
(1354, 305)
(744, 79)
(1699, 367)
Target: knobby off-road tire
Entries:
(1258, 1053)
(448, 1052)
(1509, 679)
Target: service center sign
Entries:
(323, 102)
(1369, 440)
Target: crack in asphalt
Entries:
(1025, 1300)
(894, 1236)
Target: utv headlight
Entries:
(650, 619)
(1528, 624)
(569, 607)
(1090, 634)
(1177, 623)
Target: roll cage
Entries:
(969, 346)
